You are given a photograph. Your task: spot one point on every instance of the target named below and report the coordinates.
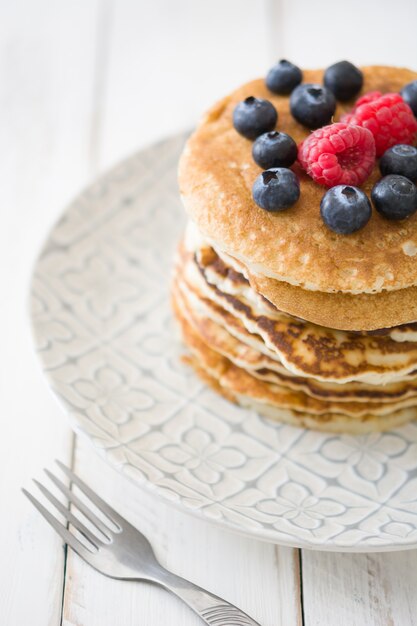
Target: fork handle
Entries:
(213, 610)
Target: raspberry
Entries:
(366, 98)
(387, 116)
(339, 154)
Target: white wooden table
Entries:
(82, 84)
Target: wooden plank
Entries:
(358, 589)
(258, 577)
(316, 34)
(166, 63)
(374, 589)
(344, 589)
(169, 61)
(46, 62)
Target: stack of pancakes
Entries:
(281, 314)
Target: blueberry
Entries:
(274, 149)
(345, 209)
(344, 80)
(312, 105)
(400, 159)
(409, 95)
(395, 197)
(276, 189)
(254, 116)
(283, 77)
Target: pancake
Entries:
(216, 175)
(342, 311)
(262, 367)
(303, 348)
(276, 403)
(214, 336)
(257, 378)
(280, 314)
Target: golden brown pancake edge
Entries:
(216, 174)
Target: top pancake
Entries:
(216, 175)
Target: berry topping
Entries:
(409, 94)
(339, 154)
(274, 149)
(312, 105)
(387, 116)
(367, 97)
(345, 209)
(395, 197)
(344, 80)
(276, 189)
(400, 159)
(254, 116)
(283, 77)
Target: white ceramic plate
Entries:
(110, 349)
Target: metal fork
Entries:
(124, 553)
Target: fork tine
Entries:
(95, 499)
(69, 516)
(81, 506)
(68, 538)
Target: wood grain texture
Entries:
(318, 34)
(168, 61)
(82, 84)
(45, 75)
(144, 96)
(358, 589)
(344, 589)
